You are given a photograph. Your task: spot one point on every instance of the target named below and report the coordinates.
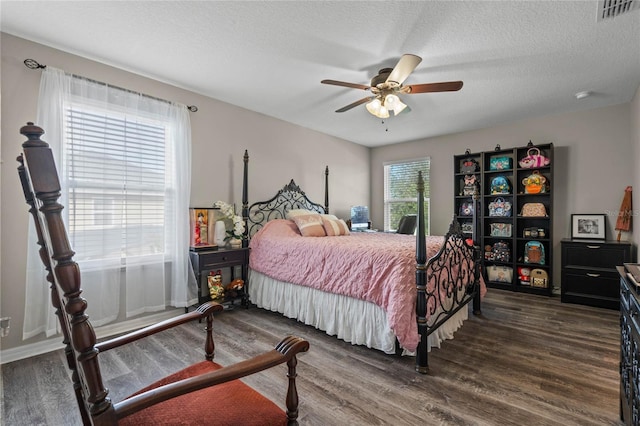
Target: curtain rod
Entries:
(34, 65)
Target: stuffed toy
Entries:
(231, 289)
(214, 281)
(236, 284)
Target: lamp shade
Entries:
(399, 108)
(376, 108)
(393, 103)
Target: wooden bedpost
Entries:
(326, 190)
(422, 362)
(245, 199)
(476, 251)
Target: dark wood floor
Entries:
(527, 360)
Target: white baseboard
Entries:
(55, 343)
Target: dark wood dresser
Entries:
(629, 350)
(589, 275)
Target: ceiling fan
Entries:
(386, 86)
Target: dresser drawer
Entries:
(594, 255)
(595, 284)
(634, 316)
(625, 295)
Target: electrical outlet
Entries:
(4, 326)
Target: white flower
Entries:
(228, 213)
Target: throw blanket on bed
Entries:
(376, 267)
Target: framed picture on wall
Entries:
(202, 228)
(588, 226)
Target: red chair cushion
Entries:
(231, 403)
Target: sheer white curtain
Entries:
(124, 161)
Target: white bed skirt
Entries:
(355, 321)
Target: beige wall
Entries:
(593, 164)
(221, 132)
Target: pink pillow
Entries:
(310, 225)
(335, 227)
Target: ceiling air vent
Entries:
(608, 9)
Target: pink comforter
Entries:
(376, 267)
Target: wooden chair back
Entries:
(41, 188)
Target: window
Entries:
(400, 193)
(115, 169)
(124, 162)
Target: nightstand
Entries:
(589, 275)
(208, 260)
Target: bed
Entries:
(401, 294)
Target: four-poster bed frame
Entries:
(434, 277)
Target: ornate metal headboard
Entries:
(288, 198)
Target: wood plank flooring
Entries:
(527, 360)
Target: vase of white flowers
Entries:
(234, 233)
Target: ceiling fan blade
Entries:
(356, 103)
(342, 83)
(403, 68)
(449, 86)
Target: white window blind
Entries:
(116, 175)
(400, 191)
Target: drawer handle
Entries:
(593, 247)
(593, 275)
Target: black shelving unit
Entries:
(540, 228)
(465, 218)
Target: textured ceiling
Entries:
(517, 59)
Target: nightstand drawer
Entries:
(222, 258)
(594, 255)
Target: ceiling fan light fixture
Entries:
(394, 104)
(391, 100)
(376, 108)
(399, 108)
(388, 82)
